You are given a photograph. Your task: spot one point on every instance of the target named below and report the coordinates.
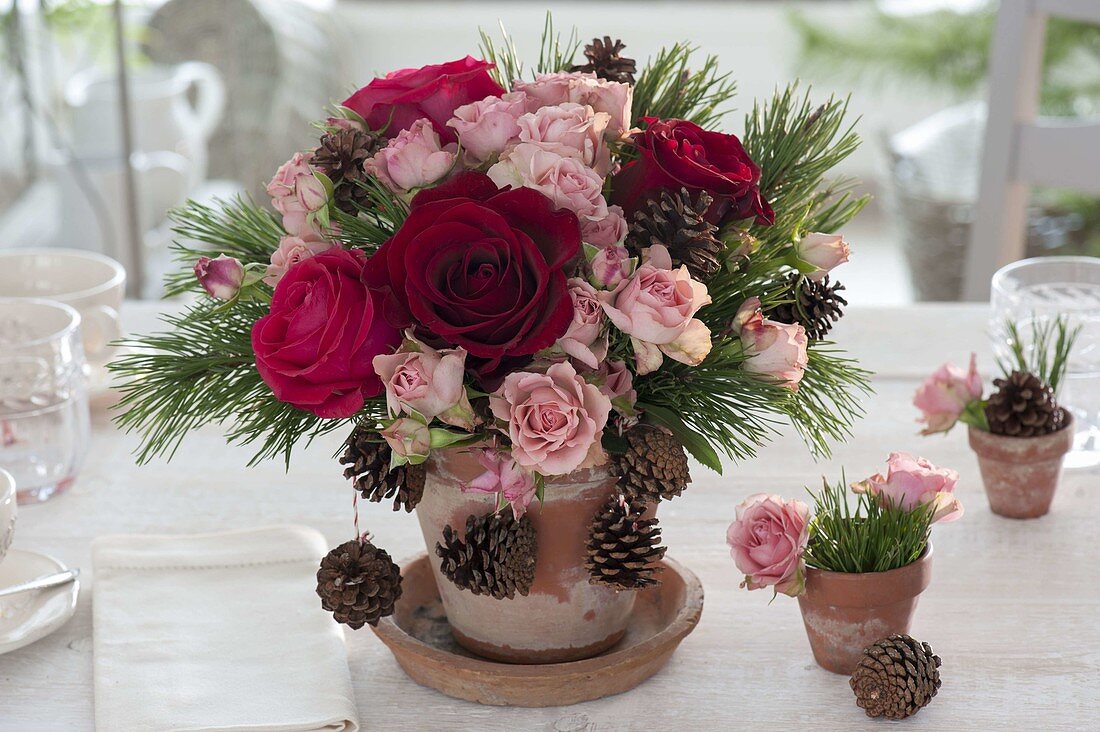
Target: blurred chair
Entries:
(1020, 149)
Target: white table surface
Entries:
(1013, 608)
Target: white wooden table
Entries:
(1013, 608)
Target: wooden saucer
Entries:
(420, 639)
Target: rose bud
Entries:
(409, 439)
(911, 482)
(221, 277)
(767, 540)
(822, 252)
(946, 394)
(420, 379)
(610, 265)
(776, 350)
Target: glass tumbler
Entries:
(1039, 290)
(44, 419)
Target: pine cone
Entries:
(677, 220)
(604, 60)
(358, 583)
(341, 156)
(814, 305)
(1023, 406)
(654, 465)
(497, 557)
(896, 677)
(368, 461)
(623, 548)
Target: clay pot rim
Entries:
(1012, 438)
(687, 617)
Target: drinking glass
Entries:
(44, 419)
(1038, 290)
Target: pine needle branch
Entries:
(670, 89)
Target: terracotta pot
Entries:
(1021, 473)
(846, 612)
(564, 618)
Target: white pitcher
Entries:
(164, 118)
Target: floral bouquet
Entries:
(566, 270)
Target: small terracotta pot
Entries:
(1021, 473)
(564, 618)
(846, 612)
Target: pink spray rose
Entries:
(570, 129)
(656, 308)
(823, 251)
(565, 180)
(549, 90)
(293, 249)
(409, 439)
(609, 230)
(298, 195)
(221, 277)
(586, 339)
(485, 127)
(945, 395)
(767, 540)
(555, 420)
(614, 379)
(420, 379)
(504, 476)
(913, 481)
(776, 350)
(413, 159)
(610, 265)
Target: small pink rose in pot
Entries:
(221, 277)
(420, 379)
(409, 438)
(554, 420)
(414, 159)
(485, 127)
(776, 350)
(823, 252)
(294, 249)
(767, 541)
(911, 482)
(586, 338)
(504, 476)
(946, 395)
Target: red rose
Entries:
(675, 153)
(315, 347)
(434, 92)
(481, 268)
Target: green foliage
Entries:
(507, 61)
(1046, 354)
(375, 222)
(828, 400)
(668, 87)
(555, 54)
(871, 537)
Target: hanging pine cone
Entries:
(604, 60)
(496, 557)
(368, 459)
(358, 583)
(677, 220)
(896, 677)
(623, 547)
(654, 465)
(341, 156)
(815, 305)
(1023, 406)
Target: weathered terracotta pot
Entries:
(846, 612)
(1021, 473)
(564, 618)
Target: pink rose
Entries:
(413, 159)
(409, 439)
(570, 129)
(485, 127)
(656, 308)
(420, 379)
(610, 265)
(767, 540)
(609, 230)
(823, 251)
(946, 394)
(913, 481)
(298, 195)
(776, 350)
(585, 339)
(555, 420)
(548, 90)
(566, 181)
(294, 249)
(504, 476)
(221, 277)
(617, 383)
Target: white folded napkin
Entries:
(217, 632)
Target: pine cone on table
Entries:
(496, 557)
(623, 547)
(1023, 406)
(677, 219)
(341, 156)
(368, 459)
(815, 305)
(358, 583)
(896, 677)
(654, 465)
(605, 61)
